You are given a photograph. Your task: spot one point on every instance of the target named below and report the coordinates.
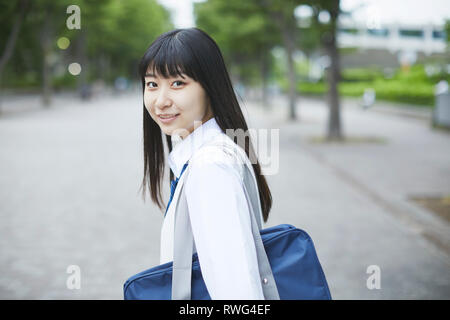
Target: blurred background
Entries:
(357, 89)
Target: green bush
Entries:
(67, 80)
(360, 74)
(420, 93)
(389, 90)
(27, 80)
(312, 88)
(412, 87)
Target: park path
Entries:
(69, 195)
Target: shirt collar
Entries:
(184, 149)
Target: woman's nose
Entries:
(162, 99)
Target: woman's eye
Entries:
(149, 84)
(181, 82)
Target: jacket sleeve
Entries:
(220, 221)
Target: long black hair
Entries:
(193, 52)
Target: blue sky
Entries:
(385, 11)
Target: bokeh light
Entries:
(74, 68)
(63, 43)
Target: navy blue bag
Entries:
(292, 256)
(287, 261)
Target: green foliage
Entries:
(408, 87)
(27, 80)
(302, 69)
(64, 81)
(243, 33)
(115, 34)
(113, 37)
(317, 88)
(361, 74)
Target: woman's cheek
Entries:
(148, 104)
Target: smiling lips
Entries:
(167, 117)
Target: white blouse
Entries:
(220, 218)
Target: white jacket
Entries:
(219, 213)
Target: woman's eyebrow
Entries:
(150, 75)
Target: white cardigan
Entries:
(219, 213)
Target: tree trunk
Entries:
(333, 77)
(288, 37)
(83, 86)
(264, 76)
(289, 44)
(46, 43)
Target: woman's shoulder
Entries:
(220, 151)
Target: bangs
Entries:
(168, 58)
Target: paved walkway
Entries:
(69, 196)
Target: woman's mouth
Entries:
(168, 118)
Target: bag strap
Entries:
(184, 241)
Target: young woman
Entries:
(187, 94)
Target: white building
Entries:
(427, 39)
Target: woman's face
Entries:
(183, 100)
